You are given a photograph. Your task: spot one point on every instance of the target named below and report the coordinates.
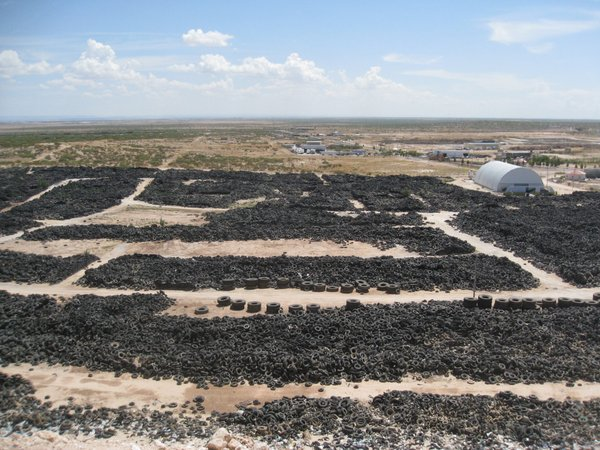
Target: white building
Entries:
(503, 177)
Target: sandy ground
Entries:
(103, 389)
(141, 215)
(176, 248)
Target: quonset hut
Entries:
(503, 177)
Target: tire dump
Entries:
(464, 319)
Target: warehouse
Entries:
(503, 177)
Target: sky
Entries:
(265, 58)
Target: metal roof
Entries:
(497, 175)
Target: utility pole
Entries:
(475, 277)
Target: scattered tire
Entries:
(382, 286)
(484, 301)
(502, 304)
(529, 303)
(224, 300)
(254, 307)
(319, 287)
(392, 289)
(201, 310)
(346, 288)
(564, 302)
(352, 304)
(283, 283)
(306, 286)
(470, 302)
(548, 302)
(296, 309)
(263, 282)
(238, 304)
(313, 308)
(332, 288)
(228, 284)
(251, 283)
(515, 303)
(273, 308)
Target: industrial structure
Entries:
(503, 177)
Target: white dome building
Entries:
(503, 177)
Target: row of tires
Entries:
(273, 307)
(361, 286)
(485, 301)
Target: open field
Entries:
(118, 288)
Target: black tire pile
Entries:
(370, 229)
(560, 235)
(220, 189)
(406, 193)
(23, 413)
(31, 268)
(75, 199)
(79, 198)
(379, 342)
(411, 274)
(435, 421)
(395, 418)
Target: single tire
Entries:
(263, 282)
(238, 304)
(254, 307)
(283, 283)
(382, 286)
(469, 302)
(306, 286)
(529, 303)
(592, 303)
(564, 302)
(596, 296)
(251, 283)
(228, 284)
(273, 308)
(484, 301)
(332, 288)
(295, 309)
(357, 282)
(362, 288)
(578, 302)
(328, 309)
(346, 288)
(313, 308)
(319, 287)
(224, 300)
(392, 289)
(352, 304)
(548, 302)
(515, 303)
(501, 303)
(201, 310)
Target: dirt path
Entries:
(547, 280)
(103, 389)
(187, 301)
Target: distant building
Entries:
(503, 177)
(575, 175)
(513, 154)
(483, 145)
(313, 147)
(449, 154)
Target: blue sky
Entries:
(513, 59)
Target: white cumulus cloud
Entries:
(11, 65)
(99, 70)
(294, 68)
(206, 38)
